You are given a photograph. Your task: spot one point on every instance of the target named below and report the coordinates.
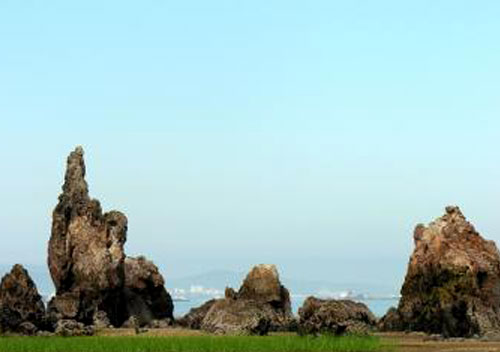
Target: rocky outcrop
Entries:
(337, 317)
(452, 286)
(263, 285)
(69, 328)
(100, 320)
(145, 294)
(20, 303)
(86, 255)
(194, 319)
(261, 305)
(238, 317)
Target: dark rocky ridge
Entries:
(87, 261)
(20, 301)
(452, 286)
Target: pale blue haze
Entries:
(310, 134)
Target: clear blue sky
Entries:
(310, 134)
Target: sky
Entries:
(313, 135)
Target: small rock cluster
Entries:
(262, 304)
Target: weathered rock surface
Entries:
(261, 305)
(68, 328)
(27, 328)
(145, 293)
(263, 285)
(86, 257)
(20, 302)
(238, 317)
(452, 286)
(10, 320)
(194, 319)
(337, 317)
(100, 320)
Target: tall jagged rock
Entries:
(452, 286)
(262, 304)
(86, 256)
(20, 301)
(145, 294)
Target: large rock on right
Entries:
(452, 286)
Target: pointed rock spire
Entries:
(75, 185)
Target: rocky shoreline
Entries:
(451, 289)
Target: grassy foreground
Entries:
(190, 344)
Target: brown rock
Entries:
(87, 259)
(263, 284)
(68, 328)
(452, 286)
(262, 304)
(101, 320)
(21, 300)
(160, 323)
(145, 293)
(335, 317)
(27, 329)
(237, 317)
(10, 320)
(194, 319)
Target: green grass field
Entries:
(190, 344)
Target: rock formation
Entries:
(70, 328)
(145, 294)
(335, 317)
(452, 286)
(194, 319)
(86, 258)
(262, 304)
(238, 317)
(20, 302)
